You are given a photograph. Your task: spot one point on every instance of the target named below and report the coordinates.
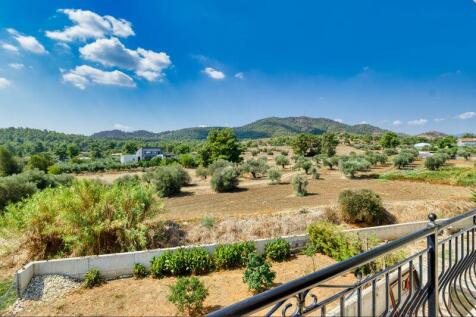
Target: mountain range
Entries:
(264, 128)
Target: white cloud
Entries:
(240, 75)
(122, 127)
(214, 74)
(397, 122)
(4, 83)
(111, 52)
(339, 120)
(363, 122)
(421, 121)
(16, 66)
(10, 47)
(439, 120)
(467, 115)
(87, 25)
(203, 126)
(85, 75)
(28, 42)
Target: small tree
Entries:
(220, 144)
(299, 184)
(274, 176)
(329, 143)
(225, 179)
(73, 150)
(435, 162)
(303, 163)
(389, 140)
(464, 153)
(314, 173)
(40, 161)
(350, 166)
(188, 295)
(282, 160)
(8, 165)
(255, 167)
(201, 172)
(258, 274)
(363, 206)
(330, 161)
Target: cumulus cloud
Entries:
(28, 42)
(122, 127)
(421, 121)
(10, 47)
(339, 120)
(214, 73)
(85, 75)
(4, 83)
(467, 115)
(239, 75)
(16, 66)
(397, 122)
(90, 25)
(111, 52)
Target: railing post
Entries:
(432, 244)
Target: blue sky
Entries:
(85, 66)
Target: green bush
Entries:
(328, 239)
(127, 180)
(85, 219)
(330, 162)
(235, 255)
(225, 179)
(255, 167)
(464, 153)
(363, 206)
(433, 163)
(92, 279)
(139, 271)
(314, 173)
(184, 261)
(258, 274)
(303, 163)
(278, 250)
(218, 164)
(8, 164)
(254, 152)
(168, 180)
(208, 222)
(281, 160)
(349, 166)
(187, 160)
(274, 176)
(188, 295)
(201, 172)
(299, 184)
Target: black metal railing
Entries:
(439, 278)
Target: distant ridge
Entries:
(264, 128)
(431, 135)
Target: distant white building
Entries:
(424, 154)
(467, 142)
(128, 158)
(422, 145)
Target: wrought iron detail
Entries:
(438, 279)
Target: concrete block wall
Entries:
(119, 264)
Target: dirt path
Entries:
(130, 297)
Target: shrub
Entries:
(328, 239)
(235, 255)
(8, 165)
(382, 158)
(184, 261)
(127, 180)
(92, 278)
(284, 152)
(187, 160)
(274, 176)
(201, 172)
(225, 179)
(278, 250)
(349, 166)
(330, 215)
(87, 218)
(188, 295)
(168, 180)
(140, 271)
(258, 274)
(299, 184)
(330, 161)
(255, 167)
(254, 152)
(363, 206)
(303, 163)
(208, 222)
(434, 163)
(314, 173)
(281, 160)
(218, 164)
(464, 153)
(402, 160)
(390, 152)
(40, 161)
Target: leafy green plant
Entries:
(274, 176)
(167, 180)
(255, 167)
(225, 179)
(201, 172)
(304, 164)
(281, 160)
(363, 206)
(92, 278)
(184, 261)
(349, 166)
(299, 184)
(314, 173)
(8, 293)
(235, 255)
(139, 271)
(188, 295)
(278, 250)
(330, 162)
(208, 222)
(258, 274)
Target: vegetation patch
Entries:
(235, 255)
(258, 274)
(184, 261)
(92, 279)
(8, 294)
(278, 250)
(461, 176)
(188, 295)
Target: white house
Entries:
(421, 145)
(467, 142)
(128, 158)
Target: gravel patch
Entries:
(45, 288)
